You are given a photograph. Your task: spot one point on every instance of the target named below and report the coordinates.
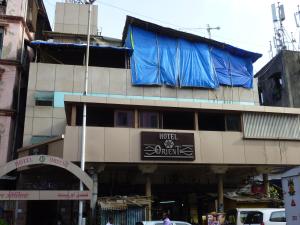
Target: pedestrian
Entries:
(166, 219)
(110, 221)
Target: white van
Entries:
(256, 216)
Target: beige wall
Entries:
(51, 121)
(73, 18)
(69, 78)
(123, 145)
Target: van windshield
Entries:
(254, 218)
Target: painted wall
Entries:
(15, 7)
(7, 84)
(5, 141)
(73, 18)
(68, 79)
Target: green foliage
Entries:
(274, 193)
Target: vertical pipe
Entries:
(82, 158)
(220, 193)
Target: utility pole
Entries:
(81, 220)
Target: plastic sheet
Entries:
(158, 60)
(232, 70)
(196, 69)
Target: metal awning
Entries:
(76, 45)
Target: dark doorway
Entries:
(42, 212)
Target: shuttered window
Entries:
(271, 126)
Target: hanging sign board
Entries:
(44, 195)
(167, 146)
(291, 195)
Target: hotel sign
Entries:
(167, 146)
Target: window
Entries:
(149, 119)
(123, 118)
(44, 98)
(278, 216)
(213, 121)
(233, 122)
(99, 117)
(254, 218)
(178, 120)
(3, 7)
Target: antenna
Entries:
(208, 29)
(280, 37)
(271, 50)
(297, 22)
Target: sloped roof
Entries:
(188, 36)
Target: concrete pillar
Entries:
(266, 184)
(147, 170)
(220, 192)
(220, 171)
(149, 195)
(196, 121)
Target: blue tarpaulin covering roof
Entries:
(165, 56)
(75, 45)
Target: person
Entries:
(2, 219)
(110, 221)
(166, 219)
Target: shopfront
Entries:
(43, 204)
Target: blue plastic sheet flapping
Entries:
(232, 70)
(158, 60)
(144, 59)
(168, 53)
(196, 69)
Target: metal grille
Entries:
(271, 126)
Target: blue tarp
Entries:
(158, 60)
(196, 68)
(232, 70)
(144, 59)
(168, 69)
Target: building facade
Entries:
(278, 81)
(179, 146)
(21, 22)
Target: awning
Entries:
(122, 202)
(76, 45)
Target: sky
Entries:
(245, 24)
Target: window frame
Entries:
(116, 111)
(275, 212)
(140, 113)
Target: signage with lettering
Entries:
(45, 195)
(167, 146)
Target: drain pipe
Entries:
(81, 220)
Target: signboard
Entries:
(45, 195)
(47, 160)
(291, 195)
(167, 146)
